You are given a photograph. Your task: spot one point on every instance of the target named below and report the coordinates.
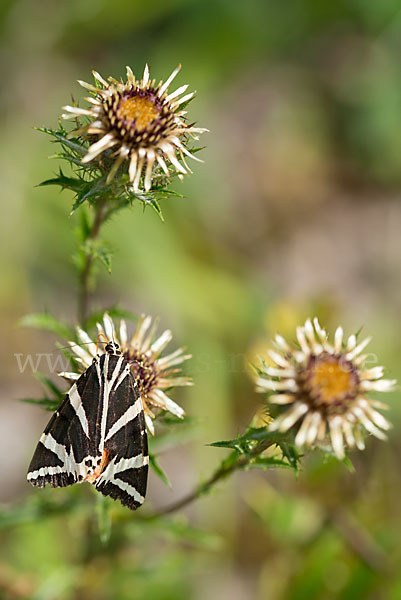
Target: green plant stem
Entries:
(226, 468)
(84, 279)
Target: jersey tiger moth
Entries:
(97, 434)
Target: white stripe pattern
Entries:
(132, 412)
(123, 375)
(76, 403)
(69, 465)
(43, 471)
(107, 386)
(108, 475)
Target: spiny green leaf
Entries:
(258, 370)
(165, 193)
(61, 136)
(66, 183)
(98, 250)
(149, 199)
(252, 434)
(68, 157)
(248, 443)
(156, 207)
(56, 394)
(152, 198)
(153, 461)
(104, 255)
(231, 444)
(347, 462)
(46, 403)
(48, 383)
(267, 462)
(291, 454)
(46, 322)
(196, 149)
(92, 189)
(358, 333)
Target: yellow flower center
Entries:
(331, 379)
(141, 110)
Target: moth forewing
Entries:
(98, 434)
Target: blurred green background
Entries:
(295, 212)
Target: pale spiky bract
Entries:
(154, 372)
(141, 122)
(324, 389)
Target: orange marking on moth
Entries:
(99, 469)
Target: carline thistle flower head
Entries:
(324, 389)
(140, 122)
(153, 372)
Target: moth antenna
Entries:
(99, 335)
(81, 344)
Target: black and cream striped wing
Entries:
(61, 456)
(125, 441)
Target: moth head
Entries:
(112, 348)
